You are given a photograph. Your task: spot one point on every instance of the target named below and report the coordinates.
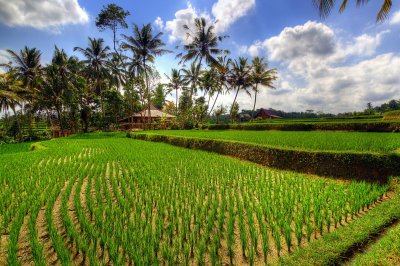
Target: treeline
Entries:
(111, 83)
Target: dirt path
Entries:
(24, 253)
(44, 238)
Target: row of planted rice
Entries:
(124, 201)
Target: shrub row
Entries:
(329, 126)
(361, 166)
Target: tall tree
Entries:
(11, 96)
(261, 75)
(325, 7)
(222, 73)
(175, 82)
(9, 92)
(28, 69)
(191, 77)
(97, 56)
(145, 46)
(203, 43)
(112, 17)
(209, 85)
(58, 83)
(239, 79)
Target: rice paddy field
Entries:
(303, 140)
(99, 200)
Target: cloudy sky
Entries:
(333, 65)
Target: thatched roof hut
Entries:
(266, 114)
(138, 119)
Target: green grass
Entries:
(98, 135)
(385, 252)
(333, 249)
(14, 148)
(303, 140)
(152, 203)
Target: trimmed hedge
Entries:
(362, 166)
(329, 126)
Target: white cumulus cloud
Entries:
(4, 59)
(227, 12)
(224, 12)
(42, 14)
(321, 70)
(183, 17)
(159, 23)
(395, 19)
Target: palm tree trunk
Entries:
(148, 93)
(176, 101)
(59, 121)
(18, 125)
(212, 108)
(234, 101)
(255, 100)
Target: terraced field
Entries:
(118, 201)
(303, 140)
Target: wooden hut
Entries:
(265, 114)
(140, 120)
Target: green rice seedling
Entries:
(122, 201)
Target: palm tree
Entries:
(57, 82)
(97, 56)
(176, 82)
(28, 67)
(239, 78)
(191, 77)
(28, 70)
(145, 46)
(222, 75)
(10, 90)
(203, 43)
(261, 75)
(209, 84)
(325, 7)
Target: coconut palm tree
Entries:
(29, 71)
(97, 55)
(325, 7)
(10, 89)
(175, 82)
(191, 77)
(145, 46)
(203, 43)
(222, 73)
(261, 75)
(239, 78)
(208, 83)
(58, 82)
(27, 67)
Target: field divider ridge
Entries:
(347, 165)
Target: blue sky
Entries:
(333, 65)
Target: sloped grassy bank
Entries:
(362, 166)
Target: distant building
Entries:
(140, 119)
(265, 114)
